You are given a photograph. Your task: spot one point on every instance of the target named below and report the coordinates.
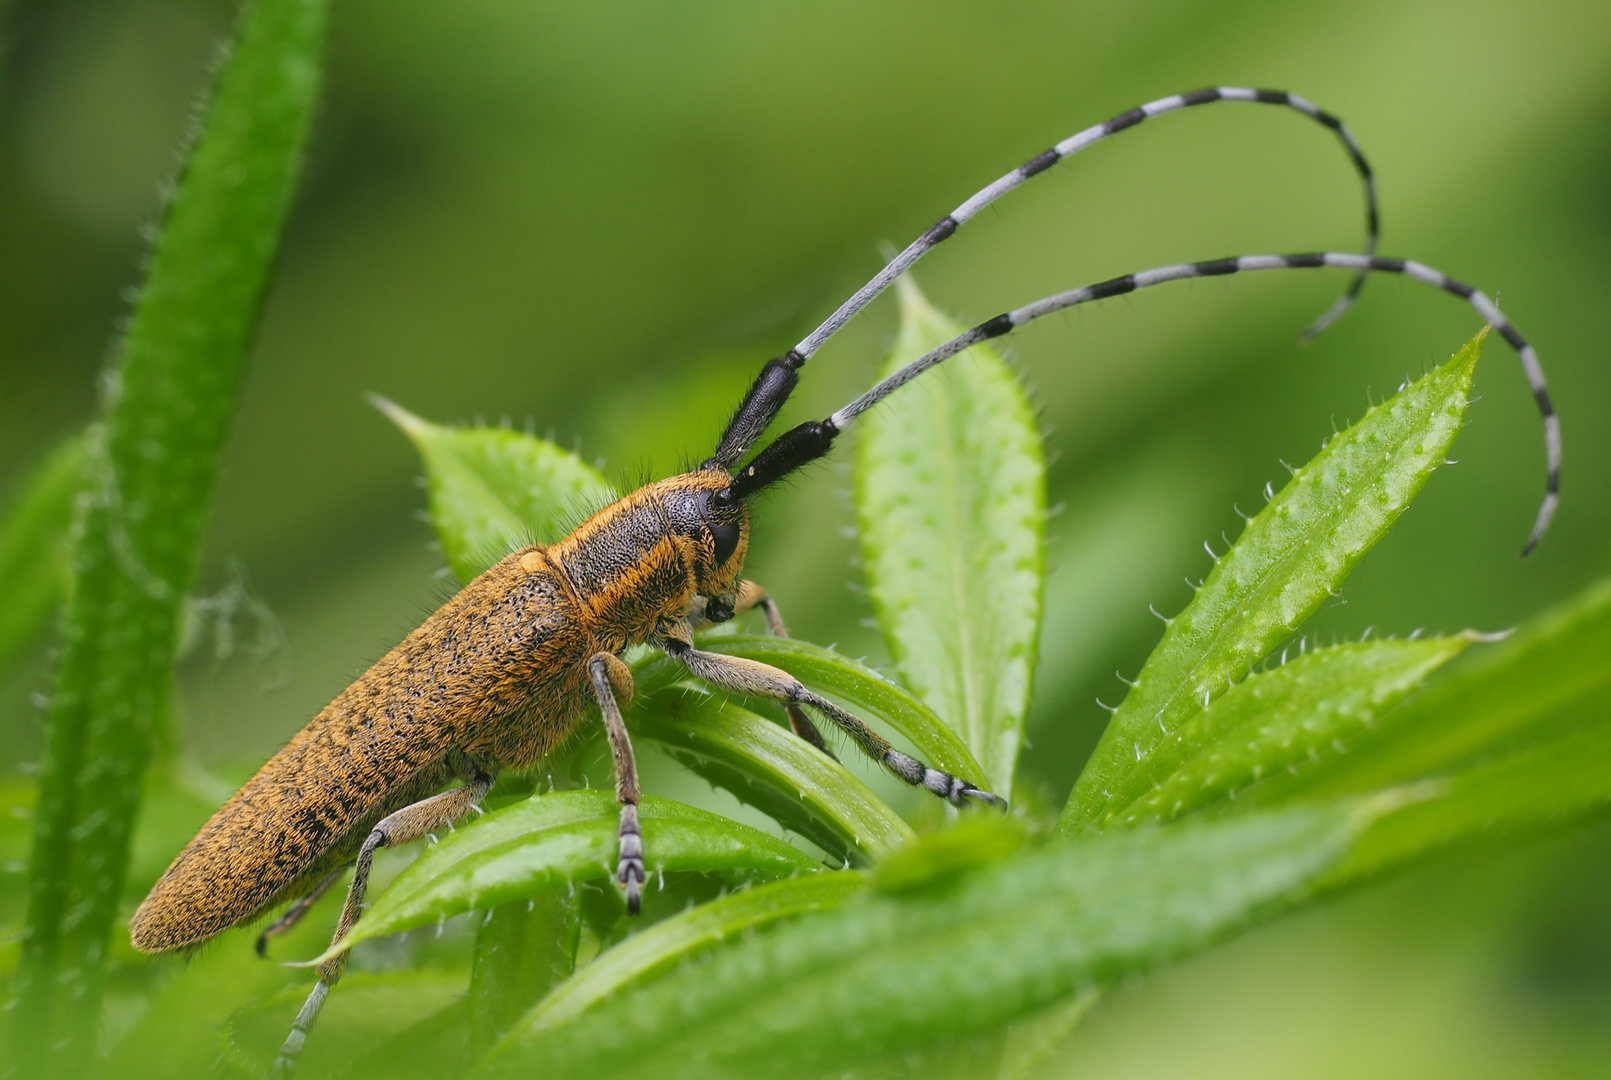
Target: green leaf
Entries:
(1548, 680)
(1275, 720)
(943, 855)
(33, 535)
(769, 768)
(1539, 789)
(887, 974)
(1034, 1039)
(395, 1023)
(494, 490)
(859, 686)
(1290, 557)
(664, 946)
(892, 973)
(152, 462)
(951, 498)
(522, 951)
(553, 841)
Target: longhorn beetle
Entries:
(500, 674)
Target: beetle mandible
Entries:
(501, 673)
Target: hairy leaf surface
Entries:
(551, 841)
(152, 463)
(493, 489)
(951, 499)
(888, 974)
(1290, 557)
(1275, 720)
(1549, 680)
(664, 946)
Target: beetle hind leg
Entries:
(411, 823)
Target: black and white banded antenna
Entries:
(1362, 264)
(780, 375)
(947, 226)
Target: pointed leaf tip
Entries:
(1288, 560)
(951, 507)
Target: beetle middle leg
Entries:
(294, 914)
(754, 679)
(412, 822)
(611, 677)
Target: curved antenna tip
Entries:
(1546, 512)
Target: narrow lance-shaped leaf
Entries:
(1287, 561)
(1550, 679)
(33, 536)
(1277, 719)
(766, 766)
(1540, 789)
(493, 490)
(894, 973)
(152, 463)
(665, 945)
(951, 500)
(914, 970)
(522, 951)
(552, 841)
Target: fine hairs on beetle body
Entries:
(501, 673)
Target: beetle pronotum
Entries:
(501, 673)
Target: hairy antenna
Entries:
(777, 380)
(811, 440)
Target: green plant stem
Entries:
(33, 577)
(152, 461)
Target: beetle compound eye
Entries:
(717, 508)
(726, 537)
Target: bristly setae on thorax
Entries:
(503, 671)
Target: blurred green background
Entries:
(598, 220)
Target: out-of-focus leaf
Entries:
(839, 676)
(766, 766)
(1274, 720)
(522, 951)
(951, 499)
(393, 1024)
(152, 465)
(889, 974)
(1287, 561)
(1532, 791)
(553, 841)
(669, 943)
(17, 797)
(1553, 677)
(942, 856)
(1032, 1040)
(33, 529)
(493, 489)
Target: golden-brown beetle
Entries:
(501, 673)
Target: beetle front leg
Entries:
(611, 677)
(748, 596)
(751, 595)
